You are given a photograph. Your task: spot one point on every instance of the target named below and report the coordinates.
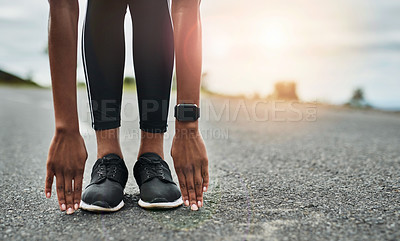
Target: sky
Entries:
(328, 47)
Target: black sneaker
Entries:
(157, 189)
(106, 189)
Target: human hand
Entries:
(191, 165)
(66, 160)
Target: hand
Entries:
(66, 161)
(191, 165)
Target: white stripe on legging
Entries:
(86, 72)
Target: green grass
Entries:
(20, 85)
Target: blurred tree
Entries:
(130, 80)
(174, 81)
(358, 95)
(80, 84)
(8, 78)
(358, 99)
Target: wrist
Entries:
(187, 133)
(186, 125)
(67, 130)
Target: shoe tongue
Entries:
(111, 156)
(151, 156)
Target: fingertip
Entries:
(70, 211)
(63, 207)
(186, 202)
(205, 189)
(48, 194)
(76, 206)
(194, 207)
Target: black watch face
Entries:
(187, 112)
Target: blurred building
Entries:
(285, 91)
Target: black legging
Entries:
(104, 60)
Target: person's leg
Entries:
(151, 142)
(104, 61)
(108, 142)
(153, 55)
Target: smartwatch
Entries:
(187, 112)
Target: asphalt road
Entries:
(303, 172)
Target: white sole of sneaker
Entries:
(94, 208)
(165, 205)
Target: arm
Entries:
(67, 153)
(187, 34)
(188, 149)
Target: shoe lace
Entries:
(153, 168)
(108, 169)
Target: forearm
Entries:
(188, 52)
(187, 34)
(63, 28)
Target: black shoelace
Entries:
(153, 168)
(108, 168)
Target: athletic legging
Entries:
(104, 60)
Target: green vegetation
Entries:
(357, 100)
(129, 84)
(81, 85)
(15, 81)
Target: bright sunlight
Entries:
(275, 35)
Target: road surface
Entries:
(304, 172)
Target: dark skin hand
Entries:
(188, 149)
(191, 165)
(67, 153)
(68, 167)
